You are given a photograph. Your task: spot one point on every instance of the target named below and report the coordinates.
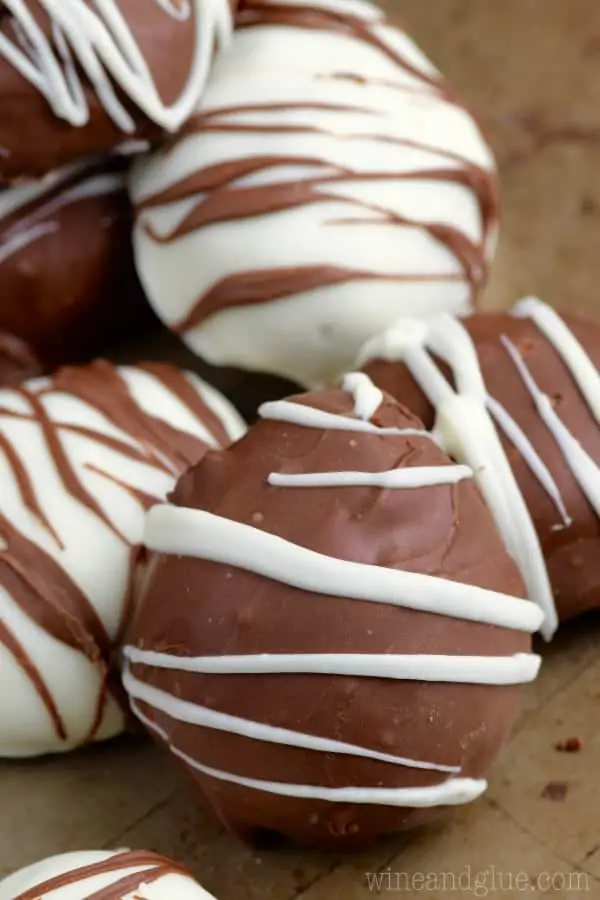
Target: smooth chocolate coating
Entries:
(571, 553)
(69, 286)
(194, 607)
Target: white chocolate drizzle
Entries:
(30, 212)
(195, 714)
(99, 44)
(307, 417)
(584, 469)
(517, 669)
(367, 397)
(199, 534)
(459, 352)
(538, 467)
(196, 533)
(584, 372)
(466, 430)
(414, 477)
(452, 792)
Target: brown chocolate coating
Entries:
(215, 609)
(571, 553)
(17, 360)
(69, 286)
(34, 140)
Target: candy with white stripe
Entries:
(332, 628)
(524, 412)
(69, 285)
(100, 70)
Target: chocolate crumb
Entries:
(571, 745)
(555, 790)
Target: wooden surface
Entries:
(532, 69)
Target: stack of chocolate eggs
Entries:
(326, 618)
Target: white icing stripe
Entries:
(133, 147)
(468, 434)
(452, 792)
(584, 372)
(85, 178)
(307, 417)
(195, 714)
(415, 477)
(367, 397)
(24, 238)
(583, 467)
(101, 44)
(517, 669)
(466, 431)
(533, 460)
(28, 228)
(197, 533)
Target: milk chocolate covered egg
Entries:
(68, 279)
(332, 639)
(78, 78)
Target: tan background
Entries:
(532, 70)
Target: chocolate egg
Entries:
(332, 638)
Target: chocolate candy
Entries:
(103, 875)
(82, 457)
(332, 638)
(69, 286)
(330, 182)
(516, 397)
(79, 78)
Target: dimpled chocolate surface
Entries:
(194, 607)
(571, 553)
